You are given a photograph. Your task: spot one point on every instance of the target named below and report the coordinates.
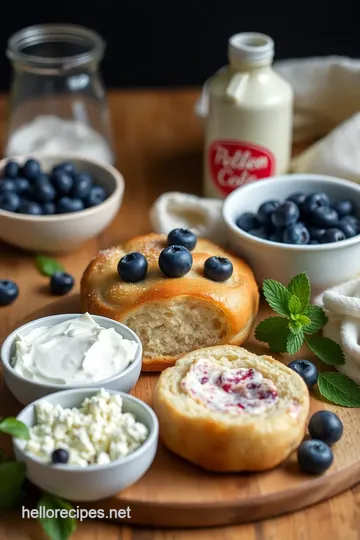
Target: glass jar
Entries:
(57, 100)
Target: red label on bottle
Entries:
(233, 164)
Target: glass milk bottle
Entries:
(57, 100)
(249, 122)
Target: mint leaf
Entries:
(294, 342)
(273, 331)
(303, 320)
(48, 266)
(295, 326)
(300, 286)
(294, 305)
(339, 389)
(12, 476)
(57, 528)
(326, 349)
(277, 296)
(317, 317)
(13, 427)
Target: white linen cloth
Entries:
(326, 104)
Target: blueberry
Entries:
(44, 191)
(218, 268)
(314, 456)
(296, 233)
(11, 169)
(62, 182)
(353, 221)
(61, 283)
(132, 267)
(265, 211)
(314, 201)
(347, 228)
(343, 207)
(49, 208)
(297, 198)
(316, 233)
(9, 201)
(31, 169)
(276, 237)
(247, 221)
(65, 166)
(22, 186)
(97, 196)
(261, 232)
(175, 261)
(66, 205)
(285, 214)
(30, 207)
(326, 426)
(324, 216)
(60, 456)
(307, 371)
(333, 235)
(7, 185)
(82, 185)
(9, 291)
(182, 237)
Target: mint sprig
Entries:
(13, 427)
(48, 266)
(300, 322)
(58, 527)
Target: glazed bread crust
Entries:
(219, 441)
(172, 316)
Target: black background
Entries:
(171, 43)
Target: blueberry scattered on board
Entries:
(29, 190)
(307, 370)
(302, 220)
(61, 283)
(9, 292)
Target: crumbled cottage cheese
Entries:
(96, 433)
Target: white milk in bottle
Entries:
(249, 122)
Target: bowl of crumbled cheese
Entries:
(87, 444)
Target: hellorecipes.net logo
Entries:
(77, 512)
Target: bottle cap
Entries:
(250, 48)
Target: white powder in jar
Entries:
(49, 134)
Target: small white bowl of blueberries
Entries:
(297, 223)
(56, 203)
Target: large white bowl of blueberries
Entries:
(297, 223)
(56, 203)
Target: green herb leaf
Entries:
(294, 342)
(300, 287)
(273, 331)
(61, 526)
(317, 317)
(294, 305)
(326, 349)
(3, 457)
(12, 476)
(303, 320)
(48, 266)
(295, 327)
(13, 427)
(339, 389)
(277, 296)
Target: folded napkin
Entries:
(326, 106)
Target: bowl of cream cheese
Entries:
(67, 351)
(108, 440)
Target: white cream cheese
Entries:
(75, 351)
(229, 390)
(97, 432)
(342, 306)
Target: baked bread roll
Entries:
(226, 409)
(172, 316)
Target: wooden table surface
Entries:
(159, 148)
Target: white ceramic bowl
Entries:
(64, 232)
(26, 391)
(325, 264)
(95, 481)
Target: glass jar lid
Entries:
(55, 47)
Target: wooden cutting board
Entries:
(174, 493)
